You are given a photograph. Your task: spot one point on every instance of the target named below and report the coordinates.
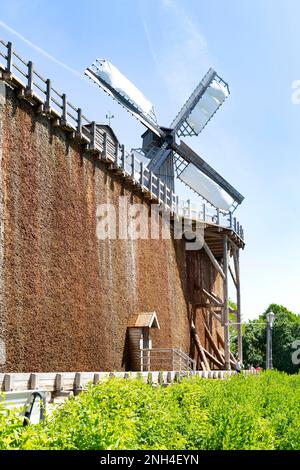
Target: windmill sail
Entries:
(206, 187)
(113, 82)
(203, 103)
(188, 162)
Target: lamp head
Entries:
(270, 318)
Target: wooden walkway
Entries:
(39, 92)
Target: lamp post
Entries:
(269, 354)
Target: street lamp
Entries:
(269, 355)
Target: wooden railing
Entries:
(63, 382)
(39, 90)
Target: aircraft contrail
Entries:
(41, 51)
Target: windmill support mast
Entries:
(225, 319)
(236, 280)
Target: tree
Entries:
(286, 330)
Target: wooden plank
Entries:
(217, 317)
(211, 296)
(225, 314)
(213, 345)
(232, 275)
(213, 359)
(34, 381)
(239, 312)
(8, 384)
(59, 383)
(213, 260)
(199, 346)
(221, 341)
(208, 306)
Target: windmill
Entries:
(164, 155)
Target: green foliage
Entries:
(257, 412)
(286, 330)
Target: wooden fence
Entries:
(62, 382)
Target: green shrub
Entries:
(257, 412)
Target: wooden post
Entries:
(79, 123)
(189, 208)
(78, 383)
(93, 137)
(104, 153)
(151, 183)
(29, 88)
(64, 117)
(158, 190)
(47, 105)
(34, 381)
(225, 312)
(171, 201)
(132, 167)
(218, 216)
(117, 156)
(239, 313)
(142, 174)
(230, 219)
(9, 63)
(8, 382)
(165, 195)
(96, 378)
(123, 157)
(59, 383)
(177, 206)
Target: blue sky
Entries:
(165, 47)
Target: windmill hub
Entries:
(169, 135)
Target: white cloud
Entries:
(40, 50)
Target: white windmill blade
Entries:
(204, 180)
(203, 103)
(113, 82)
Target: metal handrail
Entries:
(180, 360)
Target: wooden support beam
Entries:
(239, 312)
(208, 306)
(211, 296)
(221, 341)
(213, 260)
(213, 359)
(199, 346)
(217, 317)
(236, 265)
(225, 313)
(104, 151)
(232, 275)
(213, 345)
